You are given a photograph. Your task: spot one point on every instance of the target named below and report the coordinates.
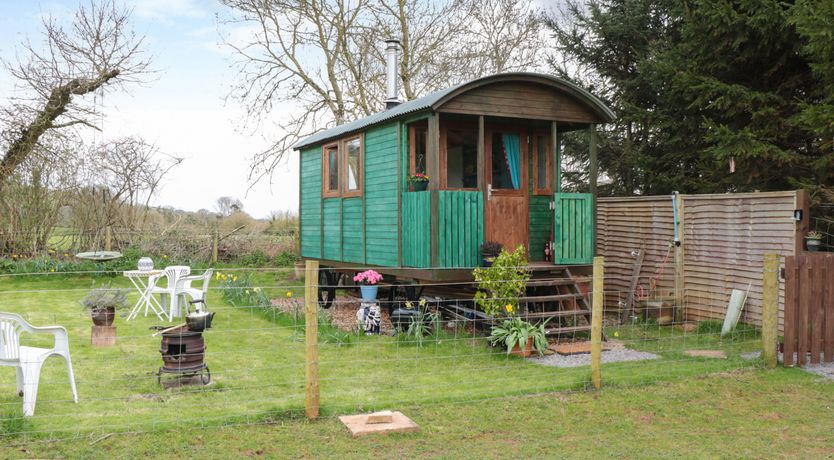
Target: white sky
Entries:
(184, 110)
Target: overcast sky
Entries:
(183, 110)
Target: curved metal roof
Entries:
(436, 99)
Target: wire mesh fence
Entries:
(430, 345)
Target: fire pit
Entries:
(183, 351)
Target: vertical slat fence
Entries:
(809, 309)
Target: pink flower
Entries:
(368, 277)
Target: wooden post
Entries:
(594, 177)
(770, 309)
(680, 286)
(215, 241)
(433, 167)
(108, 238)
(596, 323)
(311, 401)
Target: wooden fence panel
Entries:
(809, 309)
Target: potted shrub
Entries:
(368, 284)
(502, 283)
(813, 241)
(103, 303)
(419, 182)
(519, 336)
(489, 251)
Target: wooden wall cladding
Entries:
(725, 238)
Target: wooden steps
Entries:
(554, 314)
(567, 330)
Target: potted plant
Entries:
(103, 303)
(419, 182)
(519, 336)
(489, 251)
(368, 284)
(502, 283)
(813, 241)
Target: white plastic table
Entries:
(146, 299)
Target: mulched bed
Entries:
(342, 314)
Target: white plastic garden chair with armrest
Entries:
(169, 293)
(28, 360)
(198, 296)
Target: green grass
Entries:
(257, 363)
(747, 414)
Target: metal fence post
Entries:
(311, 401)
(770, 309)
(596, 323)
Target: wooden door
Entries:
(506, 178)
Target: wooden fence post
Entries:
(596, 323)
(215, 240)
(680, 282)
(311, 401)
(770, 309)
(108, 238)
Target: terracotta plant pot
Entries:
(103, 316)
(526, 352)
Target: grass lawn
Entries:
(742, 414)
(257, 366)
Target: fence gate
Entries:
(809, 309)
(573, 224)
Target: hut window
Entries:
(506, 161)
(331, 170)
(542, 164)
(461, 157)
(417, 141)
(353, 167)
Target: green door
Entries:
(573, 229)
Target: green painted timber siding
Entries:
(311, 202)
(460, 227)
(332, 225)
(352, 245)
(541, 225)
(416, 238)
(381, 196)
(573, 228)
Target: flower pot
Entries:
(813, 245)
(103, 316)
(299, 270)
(369, 292)
(525, 352)
(419, 186)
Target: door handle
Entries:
(489, 192)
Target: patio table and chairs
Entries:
(172, 285)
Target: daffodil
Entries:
(234, 278)
(256, 289)
(52, 270)
(164, 256)
(422, 302)
(509, 308)
(289, 294)
(616, 333)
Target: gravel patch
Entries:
(751, 355)
(614, 355)
(825, 370)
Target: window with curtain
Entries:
(353, 167)
(506, 161)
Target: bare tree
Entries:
(96, 50)
(227, 205)
(324, 57)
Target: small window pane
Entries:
(353, 164)
(419, 153)
(462, 158)
(541, 162)
(332, 169)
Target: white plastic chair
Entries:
(28, 360)
(169, 293)
(184, 287)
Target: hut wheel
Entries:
(327, 287)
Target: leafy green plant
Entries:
(423, 324)
(515, 331)
(501, 285)
(13, 424)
